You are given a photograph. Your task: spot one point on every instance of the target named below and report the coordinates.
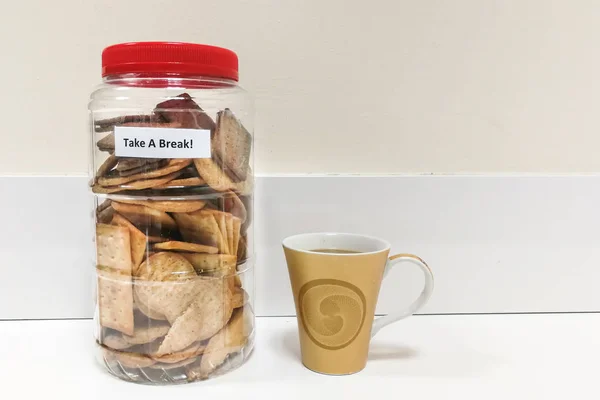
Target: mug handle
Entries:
(418, 303)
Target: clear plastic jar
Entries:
(172, 183)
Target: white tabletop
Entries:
(425, 357)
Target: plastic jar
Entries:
(172, 183)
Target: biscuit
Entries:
(206, 315)
(136, 238)
(206, 263)
(231, 145)
(231, 339)
(170, 205)
(200, 227)
(173, 165)
(145, 217)
(183, 246)
(115, 301)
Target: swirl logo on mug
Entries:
(335, 281)
(332, 312)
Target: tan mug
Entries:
(335, 280)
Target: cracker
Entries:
(174, 165)
(165, 366)
(192, 351)
(103, 206)
(115, 341)
(165, 285)
(234, 205)
(115, 301)
(230, 235)
(129, 163)
(113, 248)
(213, 175)
(105, 212)
(148, 332)
(136, 238)
(205, 263)
(96, 188)
(242, 251)
(181, 183)
(144, 168)
(221, 219)
(107, 166)
(145, 310)
(237, 224)
(206, 315)
(157, 239)
(170, 205)
(107, 143)
(245, 187)
(200, 227)
(150, 183)
(105, 125)
(239, 297)
(231, 339)
(144, 217)
(183, 246)
(128, 359)
(184, 110)
(231, 145)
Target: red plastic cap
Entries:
(186, 59)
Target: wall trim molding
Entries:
(501, 243)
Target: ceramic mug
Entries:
(335, 280)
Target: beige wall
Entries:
(341, 85)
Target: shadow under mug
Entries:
(335, 295)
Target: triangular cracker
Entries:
(200, 227)
(166, 285)
(136, 238)
(193, 350)
(231, 339)
(206, 315)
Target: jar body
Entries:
(172, 183)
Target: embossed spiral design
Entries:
(332, 312)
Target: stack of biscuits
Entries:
(172, 249)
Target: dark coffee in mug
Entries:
(335, 251)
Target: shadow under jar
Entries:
(172, 183)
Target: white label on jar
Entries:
(143, 142)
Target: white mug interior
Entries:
(308, 242)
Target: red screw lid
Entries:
(170, 57)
